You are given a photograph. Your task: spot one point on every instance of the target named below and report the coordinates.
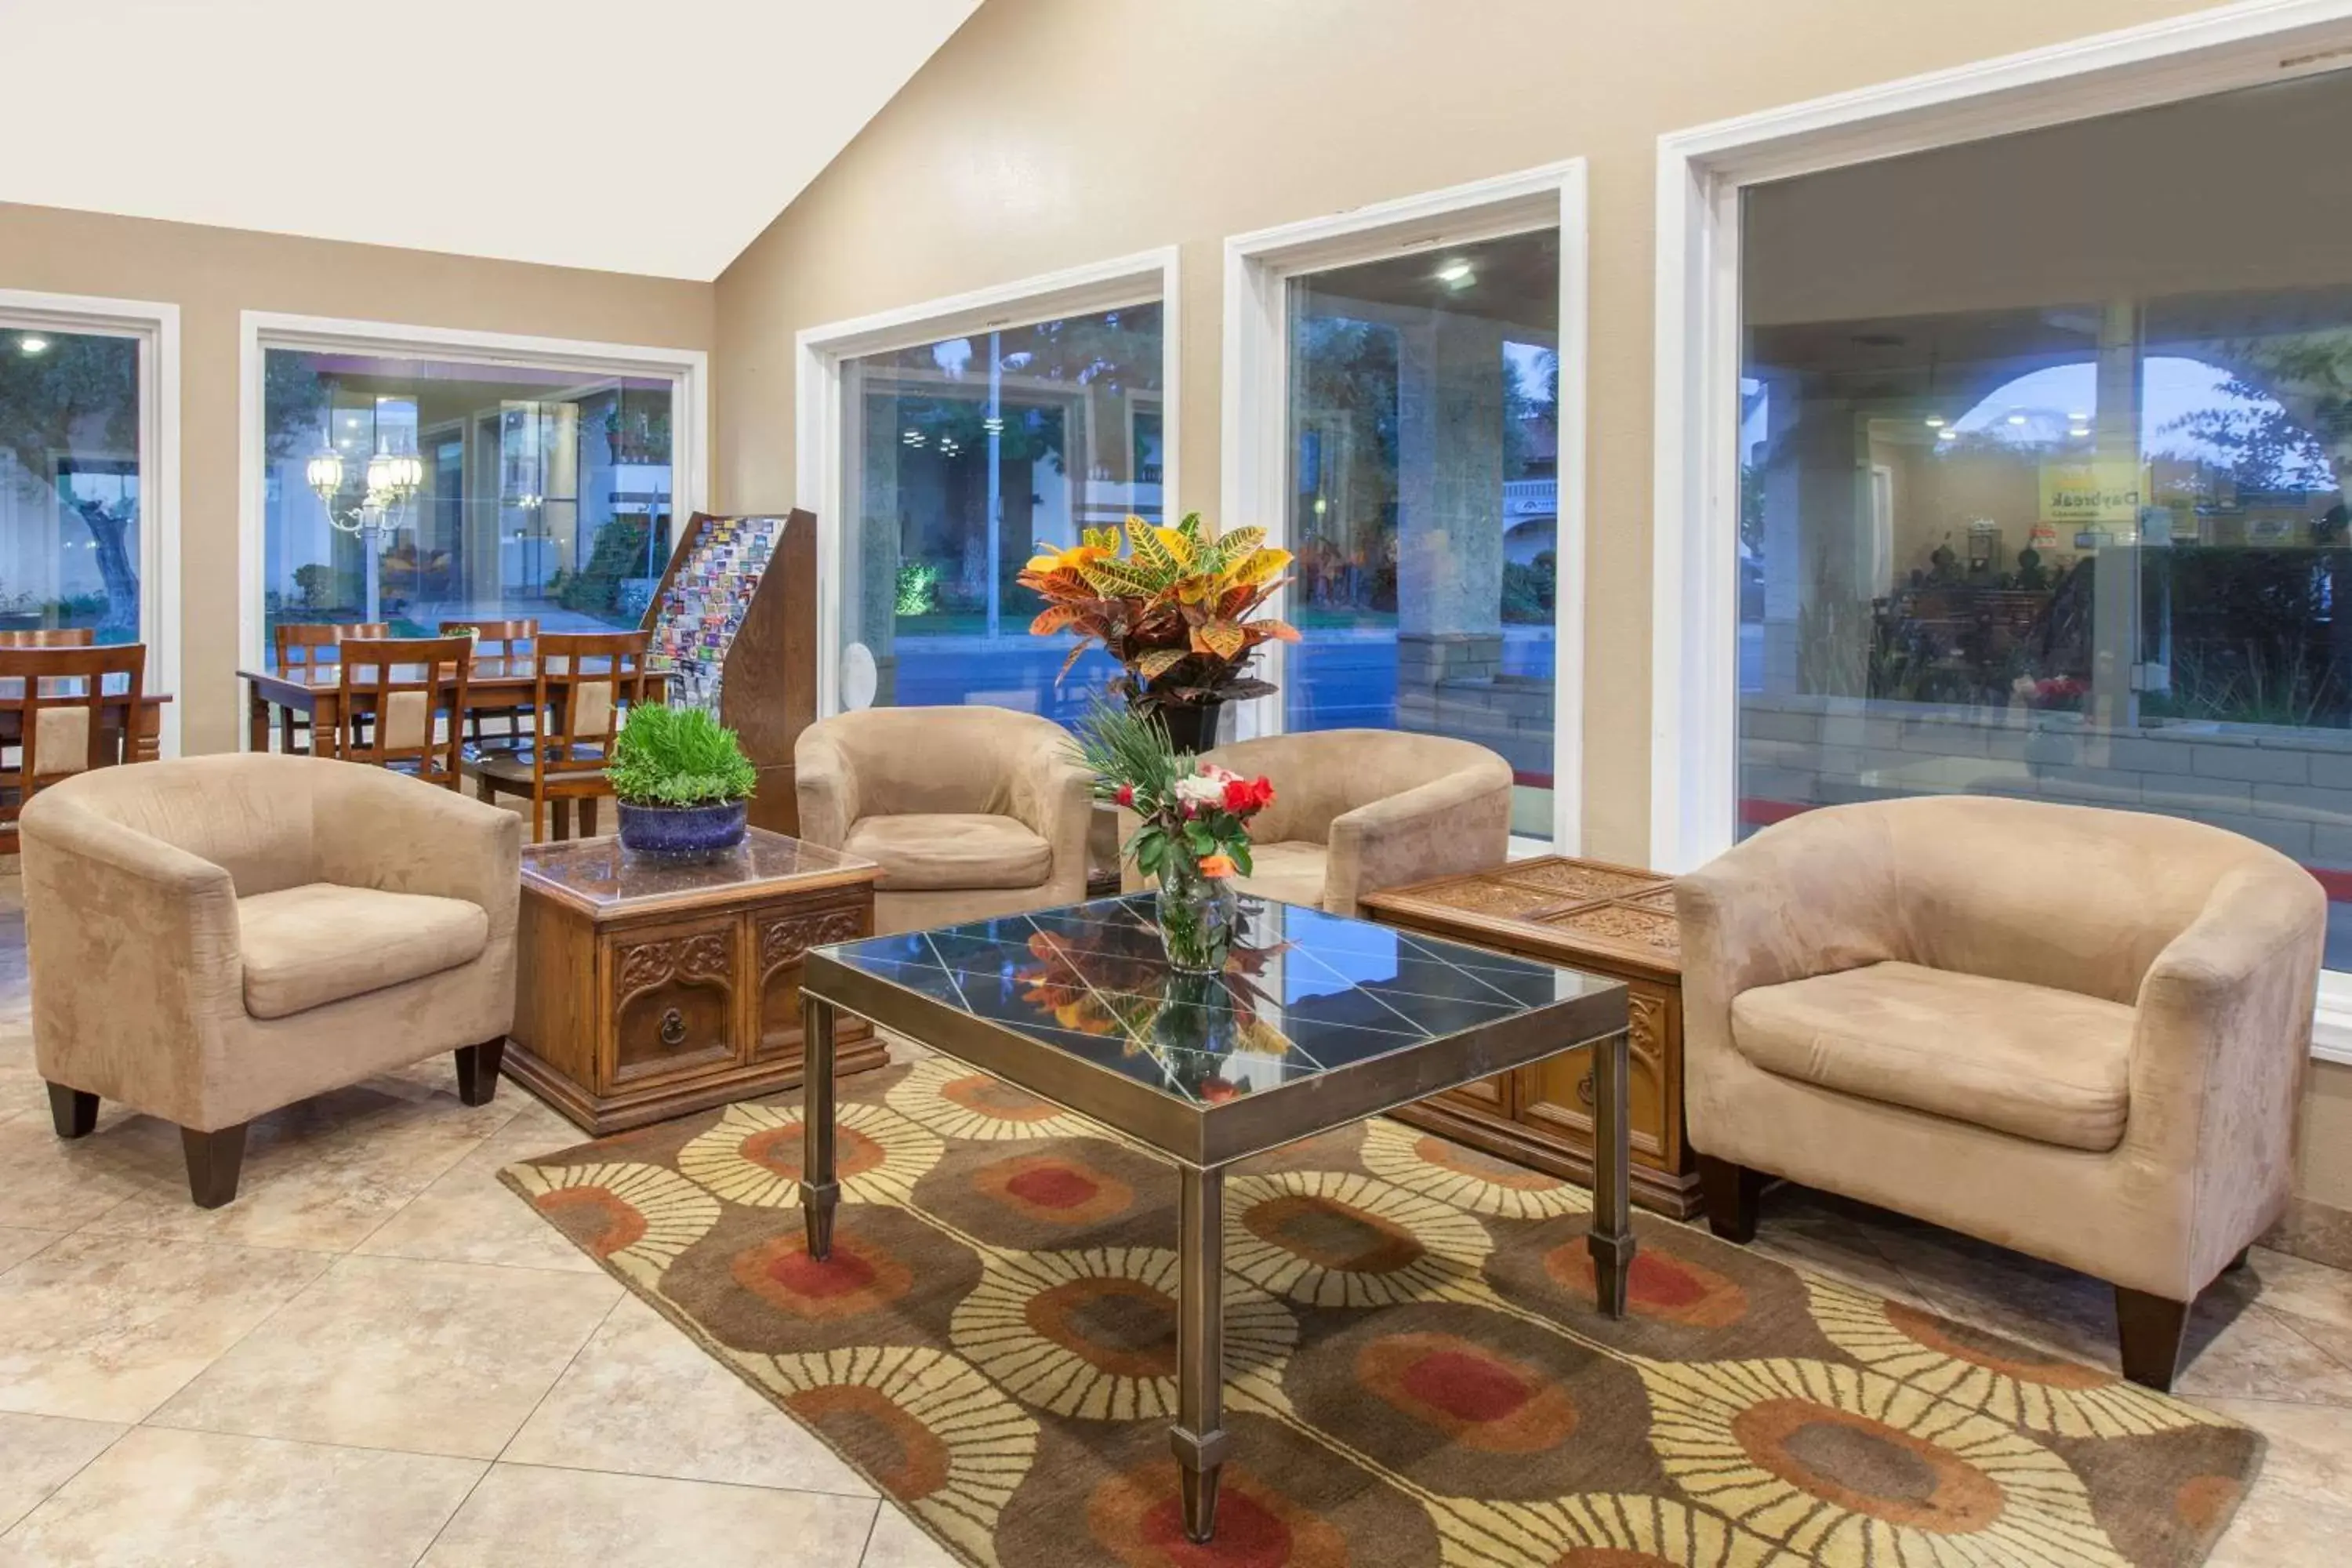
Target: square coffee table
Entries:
(1316, 1021)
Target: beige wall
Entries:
(212, 275)
(1052, 132)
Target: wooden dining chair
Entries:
(403, 704)
(51, 636)
(306, 646)
(64, 710)
(584, 686)
(510, 639)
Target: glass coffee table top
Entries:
(598, 876)
(1304, 993)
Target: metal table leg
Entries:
(1199, 1437)
(1612, 1235)
(819, 1191)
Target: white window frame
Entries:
(155, 325)
(688, 370)
(1256, 407)
(1147, 278)
(1694, 672)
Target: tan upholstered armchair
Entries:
(969, 812)
(1356, 811)
(215, 937)
(2077, 1033)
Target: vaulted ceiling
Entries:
(650, 136)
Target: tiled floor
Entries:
(377, 1355)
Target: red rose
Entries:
(1239, 796)
(1125, 795)
(1261, 791)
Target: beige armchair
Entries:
(215, 937)
(969, 812)
(2077, 1033)
(1356, 811)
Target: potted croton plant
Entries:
(683, 784)
(1195, 835)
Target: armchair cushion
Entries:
(1290, 872)
(941, 850)
(309, 945)
(2052, 1065)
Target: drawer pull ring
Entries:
(673, 1035)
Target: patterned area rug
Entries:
(1416, 1374)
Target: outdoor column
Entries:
(1450, 414)
(870, 563)
(2115, 600)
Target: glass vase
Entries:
(1196, 917)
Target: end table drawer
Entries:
(673, 993)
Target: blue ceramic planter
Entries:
(683, 832)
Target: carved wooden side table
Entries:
(1617, 920)
(646, 990)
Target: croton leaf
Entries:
(1258, 566)
(1151, 552)
(1177, 543)
(1280, 631)
(1160, 662)
(1102, 539)
(1119, 578)
(1055, 618)
(1222, 638)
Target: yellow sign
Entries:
(2083, 494)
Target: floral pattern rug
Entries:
(1415, 1370)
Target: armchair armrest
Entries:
(1458, 823)
(1052, 795)
(134, 956)
(374, 828)
(827, 788)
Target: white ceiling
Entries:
(651, 136)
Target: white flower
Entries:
(1200, 789)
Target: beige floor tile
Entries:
(468, 1215)
(2255, 1355)
(49, 1183)
(321, 1174)
(525, 1517)
(38, 1453)
(107, 1328)
(897, 1543)
(2299, 1514)
(2300, 1288)
(643, 1397)
(200, 1499)
(434, 1358)
(15, 1245)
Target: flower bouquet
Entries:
(1195, 832)
(1175, 610)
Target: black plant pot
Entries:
(1191, 726)
(683, 832)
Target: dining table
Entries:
(494, 684)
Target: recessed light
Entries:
(32, 344)
(2017, 419)
(1934, 422)
(1948, 434)
(1456, 273)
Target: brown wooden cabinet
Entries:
(651, 991)
(1616, 921)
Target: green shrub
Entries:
(678, 756)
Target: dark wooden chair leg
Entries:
(560, 812)
(214, 1160)
(588, 816)
(1732, 1194)
(2148, 1331)
(478, 1070)
(74, 1111)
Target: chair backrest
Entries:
(917, 761)
(1323, 774)
(587, 682)
(50, 636)
(56, 704)
(301, 643)
(517, 639)
(404, 701)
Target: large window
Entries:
(72, 551)
(961, 460)
(417, 490)
(1423, 499)
(2044, 444)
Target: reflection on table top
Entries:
(12, 687)
(1304, 993)
(598, 876)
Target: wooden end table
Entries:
(1617, 920)
(647, 990)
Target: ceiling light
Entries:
(1934, 422)
(32, 344)
(1948, 434)
(992, 424)
(2079, 418)
(1456, 274)
(2017, 419)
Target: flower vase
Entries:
(1196, 917)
